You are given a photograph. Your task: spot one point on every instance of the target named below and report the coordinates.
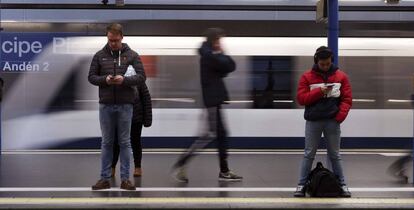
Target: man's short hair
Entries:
(213, 34)
(323, 53)
(114, 28)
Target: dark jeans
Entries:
(216, 132)
(136, 129)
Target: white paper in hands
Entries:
(130, 71)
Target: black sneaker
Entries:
(229, 177)
(300, 191)
(180, 175)
(345, 192)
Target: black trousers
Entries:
(216, 133)
(136, 129)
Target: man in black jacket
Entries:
(117, 93)
(214, 66)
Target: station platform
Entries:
(61, 179)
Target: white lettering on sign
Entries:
(25, 66)
(67, 45)
(21, 47)
(59, 45)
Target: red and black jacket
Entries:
(318, 106)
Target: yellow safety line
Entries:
(178, 200)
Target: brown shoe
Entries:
(101, 185)
(127, 185)
(113, 172)
(137, 172)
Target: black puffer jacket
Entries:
(213, 68)
(105, 63)
(143, 108)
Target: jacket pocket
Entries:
(326, 108)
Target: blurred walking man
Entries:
(214, 66)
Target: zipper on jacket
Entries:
(119, 64)
(114, 87)
(325, 81)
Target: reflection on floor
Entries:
(63, 179)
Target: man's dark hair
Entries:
(115, 28)
(323, 53)
(213, 34)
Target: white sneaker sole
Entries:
(174, 176)
(179, 180)
(230, 180)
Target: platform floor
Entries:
(62, 179)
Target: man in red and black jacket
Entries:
(326, 93)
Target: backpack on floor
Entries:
(323, 183)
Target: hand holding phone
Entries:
(118, 80)
(109, 79)
(327, 88)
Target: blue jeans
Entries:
(332, 134)
(113, 116)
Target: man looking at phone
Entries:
(326, 93)
(117, 94)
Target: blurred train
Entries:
(51, 105)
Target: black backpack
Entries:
(323, 183)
